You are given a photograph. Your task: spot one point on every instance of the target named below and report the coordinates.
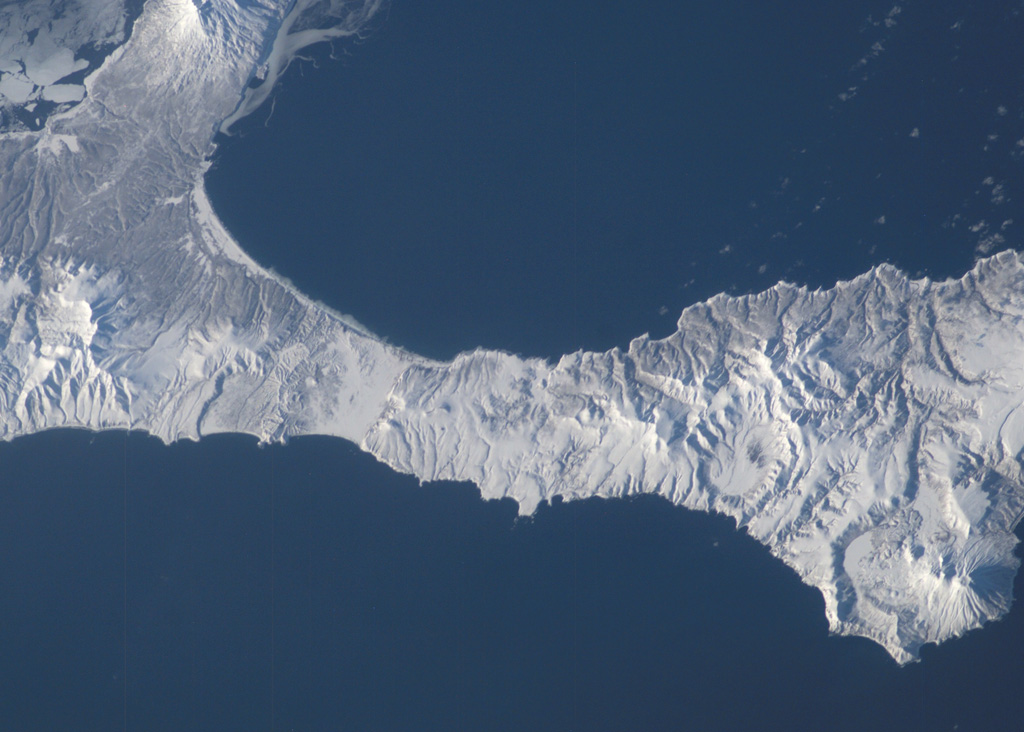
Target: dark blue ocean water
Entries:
(536, 179)
(307, 587)
(543, 176)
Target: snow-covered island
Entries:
(869, 435)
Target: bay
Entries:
(536, 179)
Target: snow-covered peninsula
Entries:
(870, 435)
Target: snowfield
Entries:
(869, 435)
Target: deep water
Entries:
(546, 177)
(533, 178)
(307, 587)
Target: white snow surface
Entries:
(869, 435)
(39, 40)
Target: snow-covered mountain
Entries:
(869, 435)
